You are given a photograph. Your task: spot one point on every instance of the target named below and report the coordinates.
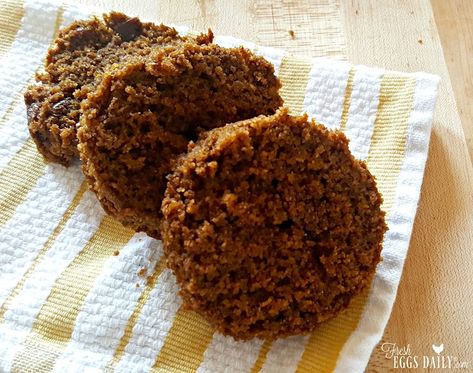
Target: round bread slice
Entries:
(76, 61)
(271, 226)
(142, 116)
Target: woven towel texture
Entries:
(69, 303)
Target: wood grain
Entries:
(454, 21)
(434, 300)
(308, 28)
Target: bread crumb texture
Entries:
(271, 226)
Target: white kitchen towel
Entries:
(81, 293)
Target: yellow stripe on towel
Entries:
(18, 177)
(185, 345)
(11, 13)
(325, 343)
(388, 142)
(294, 75)
(55, 322)
(263, 352)
(384, 161)
(125, 339)
(16, 290)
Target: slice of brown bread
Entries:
(74, 64)
(271, 226)
(143, 114)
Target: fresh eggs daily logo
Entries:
(403, 358)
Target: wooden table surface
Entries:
(435, 298)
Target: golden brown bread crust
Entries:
(142, 115)
(76, 61)
(271, 226)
